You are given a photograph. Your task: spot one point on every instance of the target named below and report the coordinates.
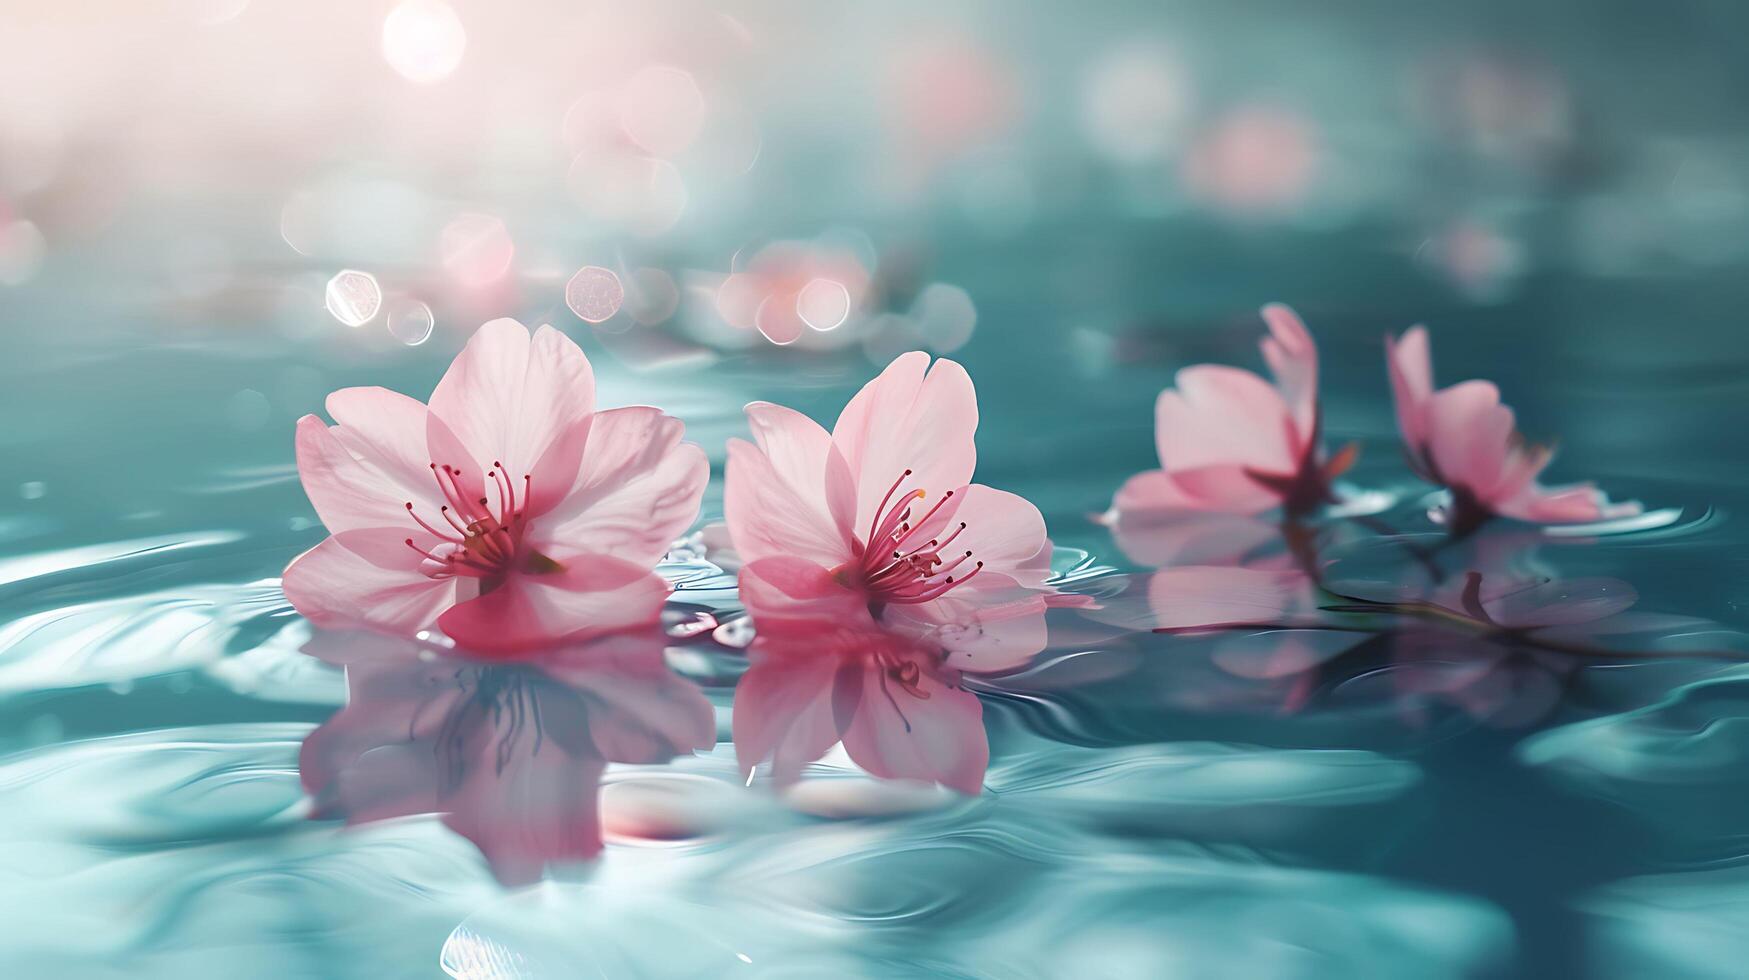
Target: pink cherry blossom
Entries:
(1463, 439)
(511, 754)
(1229, 441)
(508, 513)
(879, 516)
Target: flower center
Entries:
(897, 567)
(478, 539)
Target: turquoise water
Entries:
(1147, 810)
(1074, 203)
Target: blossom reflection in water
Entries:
(510, 753)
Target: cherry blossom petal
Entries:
(793, 593)
(1469, 433)
(991, 625)
(1519, 470)
(1293, 359)
(1221, 415)
(335, 585)
(1003, 530)
(387, 430)
(592, 594)
(909, 419)
(768, 517)
(348, 494)
(1409, 362)
(521, 400)
(1577, 504)
(638, 489)
(1229, 489)
(802, 455)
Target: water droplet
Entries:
(354, 297)
(823, 304)
(594, 294)
(410, 322)
(423, 40)
(33, 490)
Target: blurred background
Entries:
(805, 172)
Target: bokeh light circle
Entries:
(595, 294)
(410, 321)
(423, 40)
(823, 304)
(353, 297)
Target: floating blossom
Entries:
(880, 511)
(1230, 441)
(508, 513)
(510, 753)
(895, 704)
(1463, 439)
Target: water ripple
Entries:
(113, 640)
